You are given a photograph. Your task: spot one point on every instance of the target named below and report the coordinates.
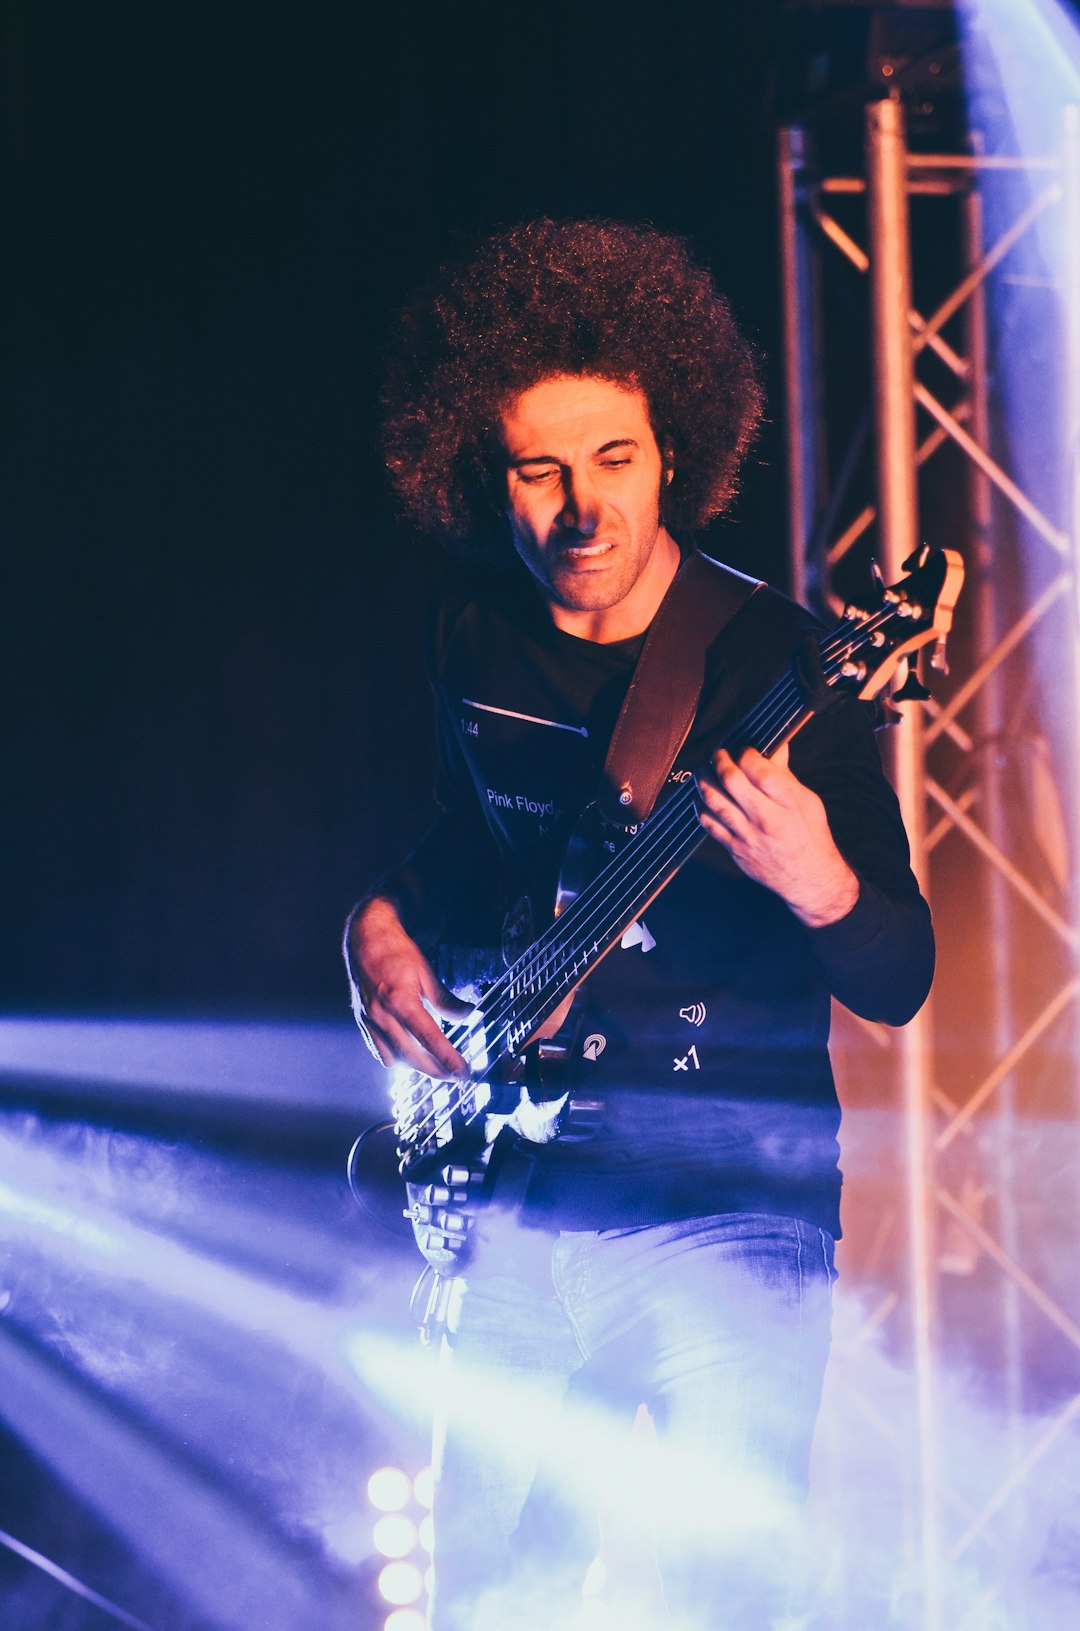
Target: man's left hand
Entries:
(777, 832)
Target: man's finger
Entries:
(769, 776)
(430, 1053)
(441, 1059)
(721, 807)
(376, 1042)
(431, 1037)
(443, 1001)
(401, 1021)
(759, 770)
(730, 783)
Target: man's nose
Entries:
(580, 511)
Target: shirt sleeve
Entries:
(878, 960)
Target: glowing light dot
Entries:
(405, 1619)
(423, 1486)
(389, 1489)
(401, 1583)
(427, 1533)
(394, 1535)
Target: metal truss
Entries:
(929, 408)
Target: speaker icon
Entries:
(695, 1013)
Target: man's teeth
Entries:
(587, 549)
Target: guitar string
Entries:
(636, 861)
(835, 649)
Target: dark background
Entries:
(210, 622)
(216, 729)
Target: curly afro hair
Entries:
(597, 298)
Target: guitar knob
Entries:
(456, 1176)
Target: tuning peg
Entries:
(912, 690)
(867, 601)
(919, 558)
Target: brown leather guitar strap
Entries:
(666, 685)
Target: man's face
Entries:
(583, 479)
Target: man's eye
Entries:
(531, 478)
(614, 464)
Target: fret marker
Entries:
(637, 935)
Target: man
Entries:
(566, 408)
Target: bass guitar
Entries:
(447, 1135)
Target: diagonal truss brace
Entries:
(926, 332)
(1006, 1065)
(1008, 870)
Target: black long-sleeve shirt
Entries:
(713, 1016)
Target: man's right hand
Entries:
(392, 981)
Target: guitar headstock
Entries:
(891, 624)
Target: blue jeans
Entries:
(720, 1325)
